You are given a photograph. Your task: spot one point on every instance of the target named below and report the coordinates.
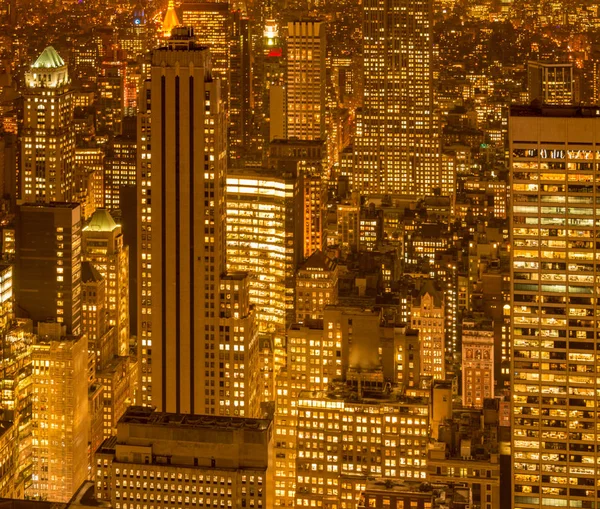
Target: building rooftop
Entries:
(537, 109)
(143, 415)
(49, 59)
(318, 261)
(101, 221)
(89, 273)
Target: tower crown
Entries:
(48, 71)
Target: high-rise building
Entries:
(551, 82)
(553, 163)
(241, 100)
(428, 316)
(60, 411)
(264, 235)
(48, 264)
(102, 245)
(16, 382)
(111, 93)
(48, 139)
(477, 361)
(211, 22)
(182, 218)
(316, 286)
(119, 169)
(398, 148)
(306, 80)
(226, 460)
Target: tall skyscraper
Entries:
(554, 300)
(182, 237)
(49, 264)
(60, 409)
(306, 80)
(264, 238)
(398, 149)
(48, 141)
(211, 22)
(102, 245)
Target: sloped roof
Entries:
(171, 20)
(101, 221)
(319, 261)
(49, 59)
(89, 273)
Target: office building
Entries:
(553, 302)
(93, 314)
(212, 22)
(551, 82)
(111, 93)
(103, 246)
(16, 382)
(397, 150)
(226, 460)
(395, 427)
(240, 88)
(119, 169)
(264, 239)
(477, 361)
(306, 80)
(428, 317)
(48, 264)
(182, 220)
(60, 413)
(48, 138)
(316, 286)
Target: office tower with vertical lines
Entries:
(48, 140)
(555, 221)
(398, 149)
(182, 209)
(306, 80)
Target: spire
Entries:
(171, 20)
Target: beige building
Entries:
(316, 286)
(554, 299)
(187, 320)
(397, 150)
(60, 414)
(428, 317)
(178, 460)
(103, 246)
(306, 80)
(48, 138)
(477, 361)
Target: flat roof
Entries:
(142, 415)
(547, 110)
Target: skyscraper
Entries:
(49, 264)
(60, 409)
(554, 300)
(48, 141)
(398, 149)
(103, 246)
(306, 80)
(182, 234)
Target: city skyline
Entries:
(299, 254)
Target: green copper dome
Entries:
(49, 59)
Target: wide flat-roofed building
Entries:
(182, 460)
